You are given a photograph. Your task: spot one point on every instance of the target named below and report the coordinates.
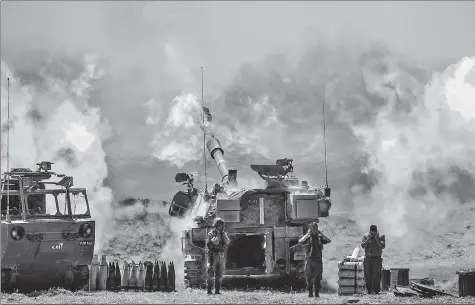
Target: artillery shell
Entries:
(156, 277)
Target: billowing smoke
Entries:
(425, 160)
(181, 124)
(51, 120)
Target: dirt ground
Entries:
(60, 296)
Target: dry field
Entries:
(60, 296)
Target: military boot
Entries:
(210, 287)
(218, 286)
(317, 290)
(310, 292)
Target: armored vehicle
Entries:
(47, 231)
(264, 225)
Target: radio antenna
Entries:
(8, 150)
(204, 133)
(324, 134)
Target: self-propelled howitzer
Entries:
(264, 225)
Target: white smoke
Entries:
(460, 88)
(250, 137)
(66, 124)
(411, 153)
(176, 141)
(153, 117)
(179, 140)
(172, 250)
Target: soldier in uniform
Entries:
(314, 241)
(217, 242)
(373, 244)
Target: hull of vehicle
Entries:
(49, 253)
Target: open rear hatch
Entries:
(246, 254)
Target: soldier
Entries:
(373, 243)
(314, 241)
(217, 242)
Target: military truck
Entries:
(47, 231)
(264, 225)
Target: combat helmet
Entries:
(218, 221)
(313, 227)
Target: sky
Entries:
(223, 35)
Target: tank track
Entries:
(81, 278)
(6, 286)
(78, 281)
(195, 273)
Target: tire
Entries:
(195, 273)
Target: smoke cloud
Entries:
(423, 161)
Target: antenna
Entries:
(8, 149)
(324, 135)
(204, 133)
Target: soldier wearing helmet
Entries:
(314, 241)
(373, 244)
(217, 242)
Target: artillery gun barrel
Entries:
(217, 153)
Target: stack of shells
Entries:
(351, 275)
(145, 276)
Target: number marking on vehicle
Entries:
(57, 247)
(86, 243)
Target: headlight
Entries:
(17, 233)
(85, 230)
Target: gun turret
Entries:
(274, 172)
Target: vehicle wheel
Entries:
(195, 273)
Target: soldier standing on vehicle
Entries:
(373, 243)
(314, 241)
(217, 242)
